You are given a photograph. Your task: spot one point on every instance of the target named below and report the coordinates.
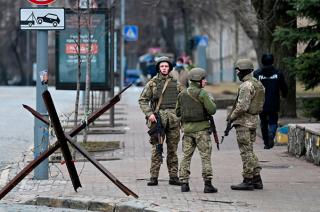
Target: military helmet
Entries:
(196, 74)
(244, 64)
(163, 59)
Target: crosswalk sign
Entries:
(131, 33)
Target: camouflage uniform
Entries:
(245, 118)
(245, 125)
(170, 123)
(181, 75)
(196, 133)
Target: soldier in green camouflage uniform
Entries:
(150, 97)
(244, 116)
(193, 106)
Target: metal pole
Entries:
(41, 133)
(29, 69)
(111, 63)
(221, 52)
(236, 50)
(122, 20)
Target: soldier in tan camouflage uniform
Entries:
(193, 106)
(171, 124)
(244, 116)
(180, 74)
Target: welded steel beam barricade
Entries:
(68, 137)
(61, 139)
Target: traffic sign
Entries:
(131, 33)
(42, 18)
(41, 2)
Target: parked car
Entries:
(134, 76)
(49, 18)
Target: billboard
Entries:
(93, 23)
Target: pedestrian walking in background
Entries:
(180, 74)
(193, 106)
(159, 96)
(189, 64)
(244, 117)
(274, 83)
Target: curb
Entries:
(93, 204)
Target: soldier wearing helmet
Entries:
(244, 116)
(159, 96)
(193, 106)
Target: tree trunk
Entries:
(187, 29)
(88, 74)
(76, 104)
(271, 13)
(266, 16)
(14, 48)
(3, 75)
(288, 106)
(167, 31)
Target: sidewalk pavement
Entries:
(290, 184)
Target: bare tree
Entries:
(12, 49)
(270, 14)
(76, 106)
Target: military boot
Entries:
(245, 185)
(257, 182)
(209, 188)
(174, 181)
(153, 181)
(185, 187)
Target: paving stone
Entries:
(290, 184)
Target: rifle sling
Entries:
(195, 99)
(234, 105)
(161, 97)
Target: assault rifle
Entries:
(229, 122)
(213, 130)
(227, 130)
(157, 131)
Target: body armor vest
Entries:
(257, 102)
(170, 95)
(191, 110)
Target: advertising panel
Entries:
(95, 25)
